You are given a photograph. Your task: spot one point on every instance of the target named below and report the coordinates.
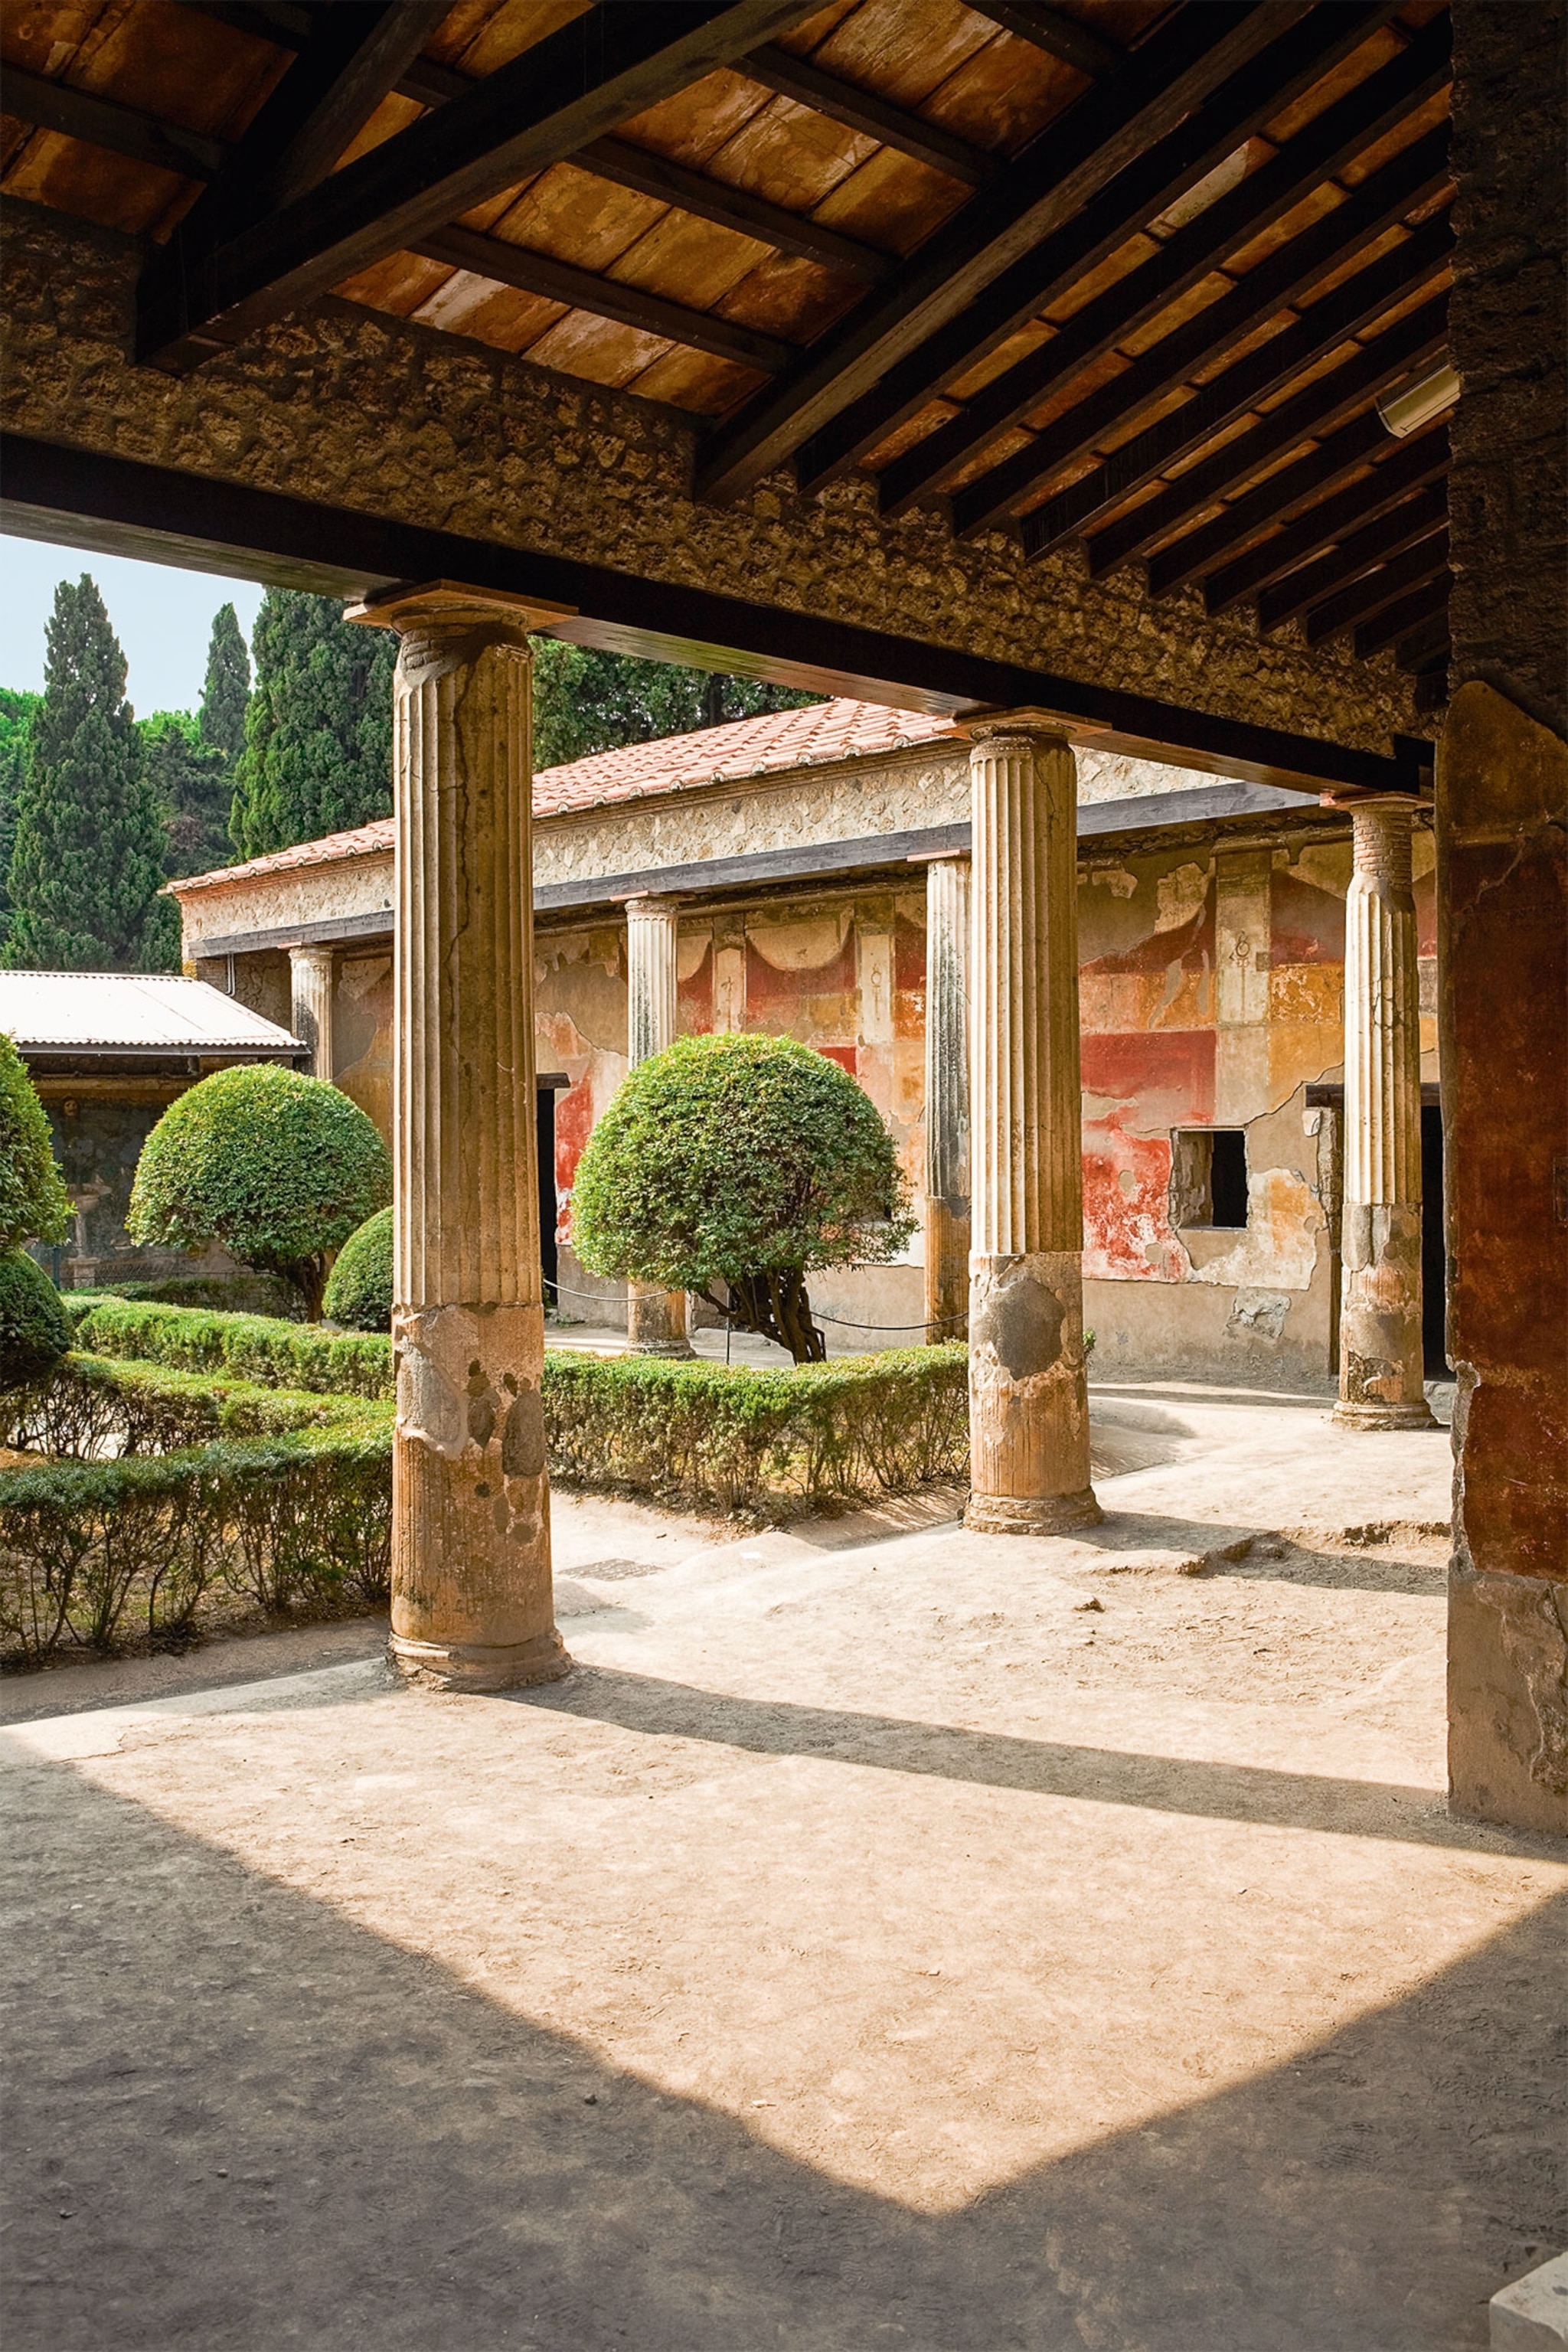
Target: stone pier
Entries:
(471, 1600)
(1028, 1405)
(310, 1005)
(656, 1320)
(1381, 1356)
(947, 1099)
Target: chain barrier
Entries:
(596, 1298)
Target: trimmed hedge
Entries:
(35, 1329)
(752, 1440)
(255, 1348)
(359, 1289)
(89, 1549)
(95, 1406)
(227, 1294)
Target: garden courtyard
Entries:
(886, 1935)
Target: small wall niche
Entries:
(1209, 1178)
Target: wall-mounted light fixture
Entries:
(1413, 404)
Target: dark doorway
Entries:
(1434, 1250)
(1227, 1179)
(549, 1259)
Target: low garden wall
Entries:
(198, 1456)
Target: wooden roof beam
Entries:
(1319, 409)
(579, 83)
(1026, 200)
(1397, 620)
(1338, 615)
(1206, 340)
(1276, 500)
(1426, 646)
(1349, 310)
(1361, 552)
(1411, 465)
(1053, 30)
(732, 208)
(862, 111)
(558, 281)
(103, 123)
(1330, 141)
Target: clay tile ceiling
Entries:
(1165, 282)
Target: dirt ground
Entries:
(887, 1935)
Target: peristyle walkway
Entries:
(886, 1936)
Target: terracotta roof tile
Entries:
(823, 731)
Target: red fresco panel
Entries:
(573, 1120)
(1308, 925)
(1163, 1075)
(847, 1056)
(1127, 1233)
(694, 998)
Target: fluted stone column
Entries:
(947, 1099)
(1028, 1404)
(656, 1320)
(310, 1005)
(471, 1601)
(1381, 1358)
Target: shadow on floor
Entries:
(241, 2122)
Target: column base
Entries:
(1385, 1416)
(480, 1666)
(1032, 1514)
(678, 1352)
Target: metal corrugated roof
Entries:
(140, 1011)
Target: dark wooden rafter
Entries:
(1398, 619)
(1317, 410)
(1431, 692)
(1333, 139)
(1276, 500)
(576, 85)
(732, 208)
(1338, 615)
(100, 121)
(1427, 642)
(1053, 30)
(1205, 341)
(75, 497)
(582, 289)
(1027, 201)
(1410, 466)
(1357, 554)
(875, 118)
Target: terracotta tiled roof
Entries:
(823, 732)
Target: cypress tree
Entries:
(16, 709)
(88, 857)
(192, 781)
(227, 691)
(586, 701)
(318, 733)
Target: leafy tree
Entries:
(586, 701)
(227, 691)
(87, 862)
(360, 1291)
(278, 1168)
(318, 730)
(34, 1205)
(192, 783)
(16, 710)
(743, 1161)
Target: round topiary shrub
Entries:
(35, 1331)
(743, 1161)
(33, 1202)
(277, 1168)
(359, 1293)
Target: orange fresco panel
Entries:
(697, 381)
(903, 49)
(573, 216)
(791, 155)
(691, 125)
(893, 201)
(1307, 993)
(598, 349)
(786, 296)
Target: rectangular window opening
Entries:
(1209, 1178)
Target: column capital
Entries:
(1027, 719)
(417, 605)
(654, 902)
(1354, 805)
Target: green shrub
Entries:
(227, 1293)
(90, 1549)
(90, 1406)
(278, 1168)
(745, 1160)
(254, 1347)
(35, 1330)
(359, 1292)
(759, 1441)
(33, 1202)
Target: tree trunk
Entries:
(777, 1306)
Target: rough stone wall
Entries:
(361, 410)
(1508, 313)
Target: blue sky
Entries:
(160, 616)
